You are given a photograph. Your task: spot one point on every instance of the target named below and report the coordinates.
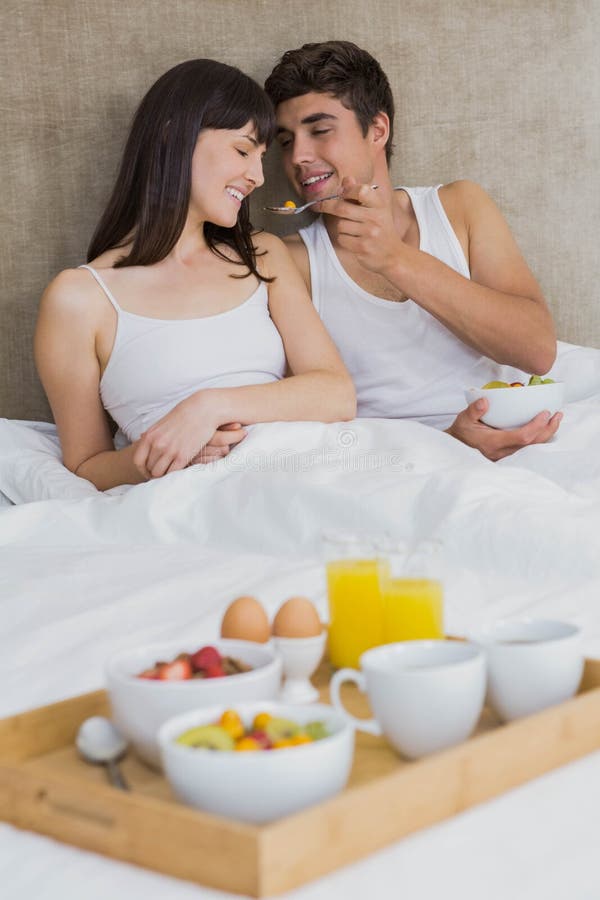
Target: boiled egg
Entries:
(246, 620)
(297, 618)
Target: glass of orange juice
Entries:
(353, 567)
(411, 593)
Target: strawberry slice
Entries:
(149, 673)
(216, 671)
(205, 658)
(262, 738)
(178, 670)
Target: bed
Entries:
(82, 574)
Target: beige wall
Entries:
(506, 93)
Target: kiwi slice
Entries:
(316, 730)
(210, 737)
(278, 728)
(535, 379)
(548, 381)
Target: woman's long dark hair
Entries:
(150, 200)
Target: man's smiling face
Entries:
(321, 143)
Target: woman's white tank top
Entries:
(156, 363)
(404, 363)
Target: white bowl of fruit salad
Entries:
(515, 404)
(257, 762)
(148, 685)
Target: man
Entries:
(423, 290)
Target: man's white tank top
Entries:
(156, 363)
(404, 363)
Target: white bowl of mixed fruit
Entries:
(257, 762)
(150, 684)
(512, 405)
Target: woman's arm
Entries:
(319, 389)
(67, 362)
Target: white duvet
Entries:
(83, 573)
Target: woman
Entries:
(185, 319)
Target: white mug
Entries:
(532, 664)
(425, 695)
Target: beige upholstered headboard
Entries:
(504, 92)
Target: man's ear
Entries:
(380, 129)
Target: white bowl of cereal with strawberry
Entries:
(257, 762)
(150, 684)
(514, 404)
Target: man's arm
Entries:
(500, 311)
(493, 443)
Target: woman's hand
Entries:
(178, 438)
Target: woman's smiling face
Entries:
(227, 166)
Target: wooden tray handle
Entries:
(74, 808)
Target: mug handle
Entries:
(371, 726)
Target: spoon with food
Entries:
(99, 743)
(289, 208)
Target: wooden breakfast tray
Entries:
(46, 787)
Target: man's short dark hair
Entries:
(339, 68)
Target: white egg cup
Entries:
(300, 657)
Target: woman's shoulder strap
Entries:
(103, 285)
